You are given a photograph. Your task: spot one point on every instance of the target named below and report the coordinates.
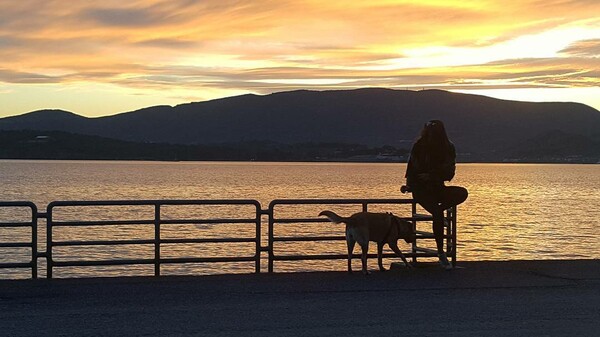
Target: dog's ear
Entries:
(411, 238)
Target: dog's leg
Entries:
(363, 258)
(396, 250)
(350, 242)
(380, 256)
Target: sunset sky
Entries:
(104, 57)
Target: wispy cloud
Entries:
(9, 76)
(147, 16)
(586, 48)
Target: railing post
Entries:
(271, 240)
(448, 230)
(34, 240)
(453, 234)
(49, 262)
(258, 237)
(414, 244)
(157, 239)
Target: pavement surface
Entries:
(512, 298)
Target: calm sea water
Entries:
(514, 211)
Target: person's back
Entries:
(438, 169)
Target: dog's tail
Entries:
(333, 217)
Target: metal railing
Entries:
(77, 209)
(32, 224)
(416, 250)
(156, 241)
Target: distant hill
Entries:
(483, 128)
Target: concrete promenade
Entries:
(514, 298)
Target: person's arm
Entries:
(412, 166)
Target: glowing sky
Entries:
(103, 57)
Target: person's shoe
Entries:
(444, 261)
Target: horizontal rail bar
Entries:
(16, 244)
(153, 202)
(208, 221)
(342, 256)
(15, 224)
(9, 265)
(338, 201)
(18, 204)
(426, 250)
(91, 263)
(208, 259)
(300, 220)
(417, 218)
(424, 235)
(208, 240)
(308, 238)
(85, 223)
(102, 242)
(323, 220)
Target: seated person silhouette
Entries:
(432, 161)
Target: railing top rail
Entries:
(165, 202)
(339, 201)
(84, 223)
(18, 204)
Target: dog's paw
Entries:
(366, 272)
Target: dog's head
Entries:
(405, 229)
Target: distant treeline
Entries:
(552, 147)
(61, 145)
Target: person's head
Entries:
(434, 133)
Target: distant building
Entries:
(40, 139)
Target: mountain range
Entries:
(482, 128)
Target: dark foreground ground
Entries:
(515, 298)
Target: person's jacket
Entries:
(440, 169)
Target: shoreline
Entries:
(492, 298)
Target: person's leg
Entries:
(452, 196)
(431, 204)
(438, 229)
